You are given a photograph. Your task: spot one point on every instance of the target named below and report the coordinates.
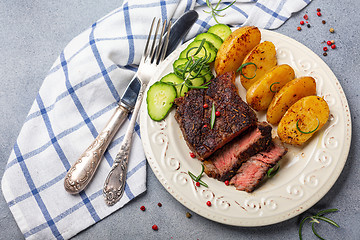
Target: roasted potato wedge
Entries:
(288, 95)
(234, 49)
(264, 57)
(260, 94)
(303, 119)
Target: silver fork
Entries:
(115, 182)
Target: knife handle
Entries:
(114, 185)
(83, 170)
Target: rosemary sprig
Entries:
(244, 65)
(315, 219)
(297, 126)
(213, 116)
(194, 67)
(197, 178)
(273, 171)
(272, 85)
(214, 11)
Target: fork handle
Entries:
(115, 182)
(83, 170)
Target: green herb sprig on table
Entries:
(214, 11)
(316, 219)
(197, 178)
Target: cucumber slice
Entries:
(221, 30)
(160, 98)
(196, 82)
(207, 74)
(172, 78)
(215, 40)
(193, 47)
(179, 62)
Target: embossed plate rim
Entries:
(220, 210)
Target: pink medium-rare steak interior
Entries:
(224, 163)
(254, 170)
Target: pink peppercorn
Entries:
(325, 49)
(333, 46)
(208, 203)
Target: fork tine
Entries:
(148, 38)
(159, 46)
(152, 50)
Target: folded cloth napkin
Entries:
(76, 100)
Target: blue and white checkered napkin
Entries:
(76, 100)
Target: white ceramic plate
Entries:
(306, 174)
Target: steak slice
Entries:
(236, 116)
(253, 171)
(225, 162)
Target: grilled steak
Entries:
(225, 162)
(253, 171)
(195, 120)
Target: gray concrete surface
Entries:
(34, 32)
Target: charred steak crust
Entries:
(236, 116)
(225, 162)
(252, 172)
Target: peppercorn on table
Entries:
(33, 36)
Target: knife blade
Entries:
(83, 170)
(177, 32)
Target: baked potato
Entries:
(303, 119)
(264, 57)
(260, 94)
(288, 95)
(234, 49)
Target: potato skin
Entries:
(309, 111)
(259, 95)
(264, 56)
(288, 95)
(234, 49)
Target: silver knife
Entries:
(83, 170)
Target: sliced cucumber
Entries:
(181, 89)
(178, 62)
(193, 47)
(221, 30)
(207, 74)
(160, 98)
(196, 82)
(215, 40)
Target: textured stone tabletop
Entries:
(33, 34)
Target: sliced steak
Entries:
(253, 171)
(236, 116)
(225, 162)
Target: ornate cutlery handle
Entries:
(81, 173)
(115, 182)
